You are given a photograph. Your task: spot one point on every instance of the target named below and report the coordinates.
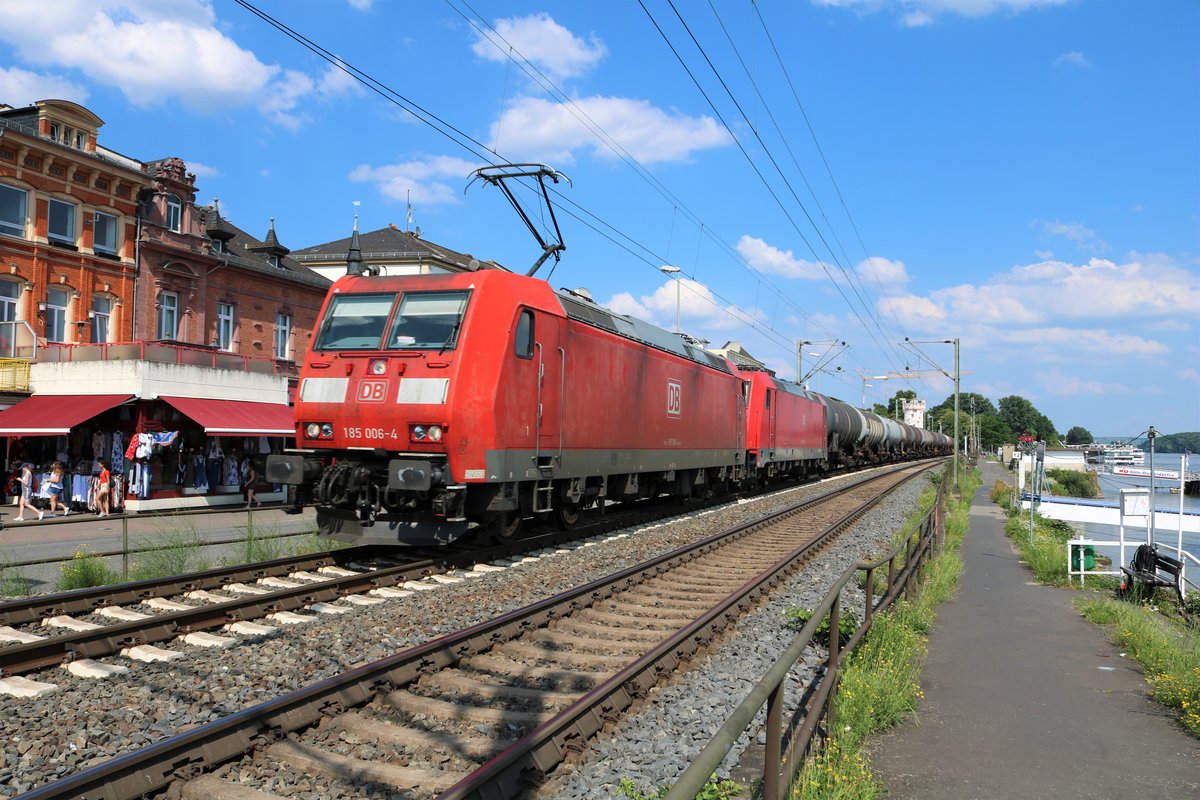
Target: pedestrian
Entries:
(54, 488)
(102, 489)
(26, 480)
(248, 486)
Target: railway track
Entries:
(521, 692)
(77, 627)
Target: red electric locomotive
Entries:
(430, 405)
(787, 428)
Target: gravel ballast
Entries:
(86, 722)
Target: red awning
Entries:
(236, 417)
(55, 414)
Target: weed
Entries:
(847, 625)
(85, 570)
(173, 551)
(714, 789)
(13, 583)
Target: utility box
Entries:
(1009, 454)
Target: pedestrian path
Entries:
(1024, 698)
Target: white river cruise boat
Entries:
(1115, 456)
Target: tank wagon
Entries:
(432, 406)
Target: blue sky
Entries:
(1021, 174)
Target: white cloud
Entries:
(20, 87)
(155, 51)
(769, 259)
(535, 129)
(426, 179)
(1189, 374)
(883, 270)
(919, 13)
(1055, 381)
(1073, 59)
(543, 42)
(201, 170)
(361, 5)
(1080, 234)
(698, 307)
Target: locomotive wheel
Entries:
(506, 525)
(566, 515)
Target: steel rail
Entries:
(154, 766)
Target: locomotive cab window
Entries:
(523, 342)
(428, 320)
(355, 322)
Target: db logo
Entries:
(674, 398)
(372, 391)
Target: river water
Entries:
(1164, 500)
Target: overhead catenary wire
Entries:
(482, 152)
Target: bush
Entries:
(1001, 494)
(84, 571)
(1072, 483)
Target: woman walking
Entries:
(248, 486)
(26, 480)
(54, 488)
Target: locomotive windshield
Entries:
(355, 322)
(428, 320)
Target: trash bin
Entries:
(1089, 557)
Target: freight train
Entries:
(431, 407)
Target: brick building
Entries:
(128, 311)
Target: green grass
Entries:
(1169, 654)
(714, 789)
(85, 570)
(12, 582)
(880, 685)
(172, 550)
(1047, 554)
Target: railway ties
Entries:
(457, 712)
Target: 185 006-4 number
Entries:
(370, 433)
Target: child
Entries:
(54, 488)
(102, 489)
(26, 486)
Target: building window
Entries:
(56, 315)
(174, 213)
(10, 293)
(62, 222)
(283, 336)
(101, 315)
(274, 261)
(218, 246)
(12, 210)
(168, 315)
(225, 326)
(54, 131)
(79, 141)
(104, 233)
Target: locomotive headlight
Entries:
(377, 366)
(312, 430)
(327, 431)
(435, 433)
(418, 432)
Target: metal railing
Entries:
(161, 352)
(784, 756)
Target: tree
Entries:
(982, 404)
(1079, 435)
(1021, 417)
(896, 406)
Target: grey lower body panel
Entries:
(520, 465)
(784, 454)
(389, 529)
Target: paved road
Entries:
(61, 537)
(1024, 698)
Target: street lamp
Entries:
(866, 378)
(667, 269)
(956, 377)
(863, 404)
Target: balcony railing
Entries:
(165, 353)
(14, 375)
